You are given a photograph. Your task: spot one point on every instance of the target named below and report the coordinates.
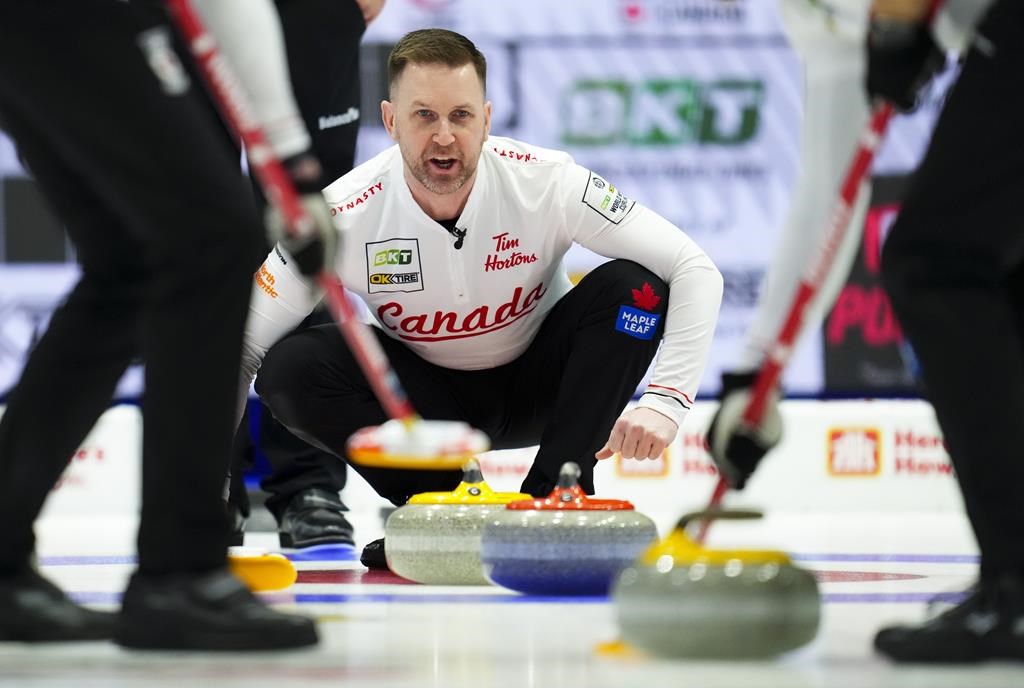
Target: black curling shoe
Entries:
(989, 624)
(314, 517)
(373, 556)
(34, 610)
(205, 611)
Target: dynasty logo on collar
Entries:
(393, 265)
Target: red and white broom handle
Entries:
(237, 110)
(810, 283)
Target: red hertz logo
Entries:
(440, 326)
(646, 298)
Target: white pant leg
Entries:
(835, 112)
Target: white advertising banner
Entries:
(103, 476)
(836, 457)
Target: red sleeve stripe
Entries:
(684, 395)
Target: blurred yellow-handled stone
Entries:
(261, 572)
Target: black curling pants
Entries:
(166, 234)
(564, 392)
(954, 267)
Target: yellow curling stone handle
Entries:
(684, 551)
(469, 493)
(472, 490)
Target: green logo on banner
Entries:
(662, 112)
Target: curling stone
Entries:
(435, 538)
(564, 544)
(260, 570)
(683, 600)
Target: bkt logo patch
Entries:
(392, 256)
(637, 323)
(393, 265)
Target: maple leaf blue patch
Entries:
(637, 323)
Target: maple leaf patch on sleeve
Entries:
(646, 298)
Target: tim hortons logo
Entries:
(854, 452)
(919, 454)
(502, 258)
(440, 326)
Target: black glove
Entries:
(735, 448)
(902, 58)
(313, 250)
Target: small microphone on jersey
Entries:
(460, 235)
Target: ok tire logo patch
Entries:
(393, 265)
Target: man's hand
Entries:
(902, 55)
(370, 8)
(316, 250)
(735, 448)
(640, 433)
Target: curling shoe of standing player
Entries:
(989, 624)
(33, 610)
(735, 447)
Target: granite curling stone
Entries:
(435, 538)
(564, 544)
(685, 601)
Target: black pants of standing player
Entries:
(166, 233)
(322, 39)
(564, 392)
(954, 267)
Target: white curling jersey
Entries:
(480, 305)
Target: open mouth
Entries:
(443, 164)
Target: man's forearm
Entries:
(249, 34)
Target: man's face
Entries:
(439, 119)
